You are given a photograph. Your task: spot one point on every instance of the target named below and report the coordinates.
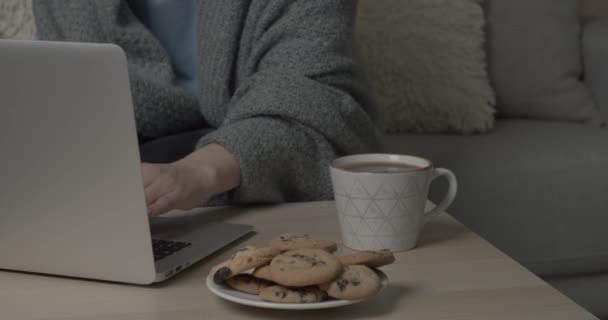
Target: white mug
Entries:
(385, 210)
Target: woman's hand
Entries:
(189, 182)
(176, 186)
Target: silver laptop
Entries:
(71, 195)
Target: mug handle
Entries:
(449, 198)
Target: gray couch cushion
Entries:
(595, 49)
(534, 52)
(535, 189)
(589, 291)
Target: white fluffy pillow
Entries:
(426, 64)
(17, 20)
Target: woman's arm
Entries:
(300, 101)
(300, 104)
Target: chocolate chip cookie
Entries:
(355, 283)
(372, 259)
(263, 272)
(304, 267)
(244, 259)
(247, 283)
(294, 241)
(282, 294)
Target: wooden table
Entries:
(453, 274)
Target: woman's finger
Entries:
(161, 186)
(164, 204)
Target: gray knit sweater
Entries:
(278, 83)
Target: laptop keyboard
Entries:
(164, 248)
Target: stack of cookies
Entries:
(296, 268)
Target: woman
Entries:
(273, 81)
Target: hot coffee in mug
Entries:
(381, 199)
(378, 167)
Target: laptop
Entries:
(71, 194)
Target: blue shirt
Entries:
(174, 23)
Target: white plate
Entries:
(230, 294)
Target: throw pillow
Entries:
(535, 60)
(17, 20)
(425, 60)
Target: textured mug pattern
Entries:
(380, 212)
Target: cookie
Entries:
(372, 259)
(304, 267)
(243, 260)
(294, 241)
(247, 283)
(263, 272)
(282, 294)
(355, 283)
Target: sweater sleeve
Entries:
(301, 104)
(161, 107)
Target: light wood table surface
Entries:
(453, 274)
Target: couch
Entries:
(537, 189)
